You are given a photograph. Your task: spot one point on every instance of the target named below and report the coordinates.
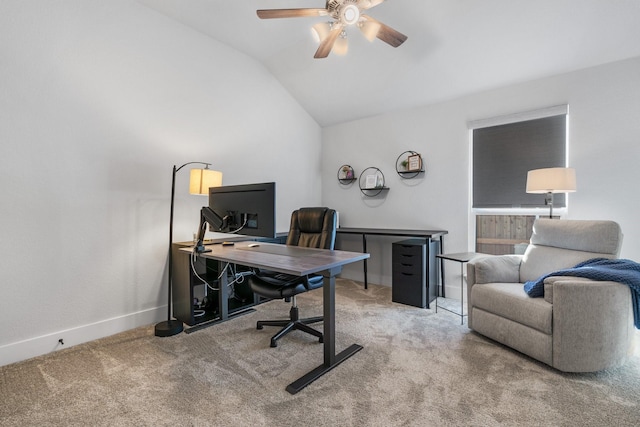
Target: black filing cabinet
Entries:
(415, 275)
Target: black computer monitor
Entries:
(248, 209)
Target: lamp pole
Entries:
(172, 327)
(549, 201)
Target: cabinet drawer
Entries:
(406, 279)
(415, 268)
(408, 251)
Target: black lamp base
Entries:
(169, 328)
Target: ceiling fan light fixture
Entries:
(320, 31)
(369, 29)
(350, 14)
(341, 46)
(331, 36)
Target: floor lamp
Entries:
(551, 180)
(199, 183)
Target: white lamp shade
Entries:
(341, 46)
(551, 180)
(202, 179)
(370, 30)
(320, 31)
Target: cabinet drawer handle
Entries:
(407, 274)
(406, 265)
(407, 255)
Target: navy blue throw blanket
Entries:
(617, 270)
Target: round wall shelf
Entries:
(409, 164)
(371, 182)
(346, 175)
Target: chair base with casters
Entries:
(311, 228)
(289, 286)
(294, 323)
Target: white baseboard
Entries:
(33, 347)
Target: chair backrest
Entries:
(558, 244)
(313, 228)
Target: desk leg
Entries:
(364, 250)
(331, 359)
(223, 293)
(441, 249)
(462, 293)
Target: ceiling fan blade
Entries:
(290, 13)
(387, 34)
(368, 4)
(327, 44)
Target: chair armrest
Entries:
(592, 323)
(491, 269)
(495, 269)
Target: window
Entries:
(505, 149)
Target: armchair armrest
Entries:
(495, 269)
(491, 269)
(592, 323)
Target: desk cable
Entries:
(238, 276)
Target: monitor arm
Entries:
(208, 216)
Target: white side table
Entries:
(462, 258)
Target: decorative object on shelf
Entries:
(409, 164)
(551, 180)
(415, 162)
(371, 181)
(199, 183)
(346, 175)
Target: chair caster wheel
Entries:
(259, 327)
(321, 340)
(273, 343)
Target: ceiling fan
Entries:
(345, 13)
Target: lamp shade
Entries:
(320, 31)
(551, 180)
(202, 179)
(341, 46)
(370, 29)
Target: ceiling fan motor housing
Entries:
(345, 11)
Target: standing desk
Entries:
(425, 234)
(298, 261)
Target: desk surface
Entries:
(293, 260)
(391, 232)
(462, 256)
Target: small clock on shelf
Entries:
(346, 175)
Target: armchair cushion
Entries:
(508, 301)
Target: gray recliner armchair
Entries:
(580, 325)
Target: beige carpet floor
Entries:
(417, 368)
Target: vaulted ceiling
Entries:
(454, 47)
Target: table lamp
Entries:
(199, 183)
(551, 180)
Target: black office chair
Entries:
(312, 228)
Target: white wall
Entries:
(604, 105)
(98, 101)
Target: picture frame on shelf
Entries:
(371, 181)
(414, 163)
